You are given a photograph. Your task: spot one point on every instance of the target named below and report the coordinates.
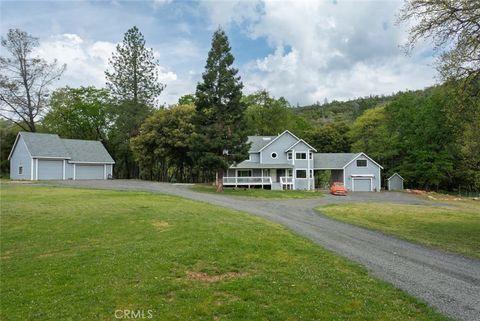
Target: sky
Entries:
(305, 51)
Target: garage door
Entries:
(84, 171)
(362, 185)
(50, 169)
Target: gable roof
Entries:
(365, 155)
(52, 146)
(301, 141)
(277, 137)
(87, 151)
(258, 142)
(395, 174)
(332, 160)
(43, 145)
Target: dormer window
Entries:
(273, 155)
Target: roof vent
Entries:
(266, 138)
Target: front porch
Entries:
(265, 178)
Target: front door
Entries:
(273, 174)
(280, 173)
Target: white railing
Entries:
(247, 181)
(286, 180)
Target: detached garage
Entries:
(48, 157)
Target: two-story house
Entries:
(288, 162)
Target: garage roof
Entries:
(44, 145)
(75, 150)
(88, 151)
(332, 160)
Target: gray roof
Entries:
(332, 160)
(258, 142)
(44, 145)
(251, 165)
(75, 150)
(87, 151)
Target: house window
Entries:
(301, 173)
(361, 163)
(300, 155)
(289, 155)
(289, 173)
(20, 170)
(244, 173)
(273, 155)
(311, 173)
(310, 155)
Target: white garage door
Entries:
(84, 171)
(362, 185)
(50, 169)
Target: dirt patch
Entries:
(161, 225)
(434, 195)
(200, 276)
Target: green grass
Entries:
(258, 193)
(74, 254)
(454, 228)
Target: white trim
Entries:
(353, 182)
(14, 145)
(362, 153)
(276, 155)
(74, 171)
(36, 169)
(63, 174)
(301, 169)
(326, 168)
(51, 157)
(280, 135)
(31, 169)
(293, 158)
(362, 175)
(105, 171)
(79, 162)
(395, 174)
(301, 141)
(379, 180)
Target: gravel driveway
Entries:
(448, 282)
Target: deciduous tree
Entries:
(25, 80)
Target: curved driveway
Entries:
(448, 282)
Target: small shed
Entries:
(395, 182)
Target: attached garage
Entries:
(50, 169)
(89, 171)
(361, 184)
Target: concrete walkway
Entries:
(448, 282)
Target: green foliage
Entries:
(134, 74)
(80, 113)
(162, 148)
(329, 137)
(454, 227)
(269, 116)
(8, 133)
(220, 128)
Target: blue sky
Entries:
(304, 50)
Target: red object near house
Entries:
(338, 188)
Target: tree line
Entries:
(431, 137)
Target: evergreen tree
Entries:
(134, 76)
(221, 137)
(133, 84)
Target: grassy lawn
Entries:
(73, 254)
(454, 228)
(258, 193)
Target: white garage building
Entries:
(37, 156)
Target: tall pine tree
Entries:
(132, 81)
(220, 129)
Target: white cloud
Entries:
(327, 49)
(87, 61)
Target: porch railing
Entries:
(286, 180)
(247, 181)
